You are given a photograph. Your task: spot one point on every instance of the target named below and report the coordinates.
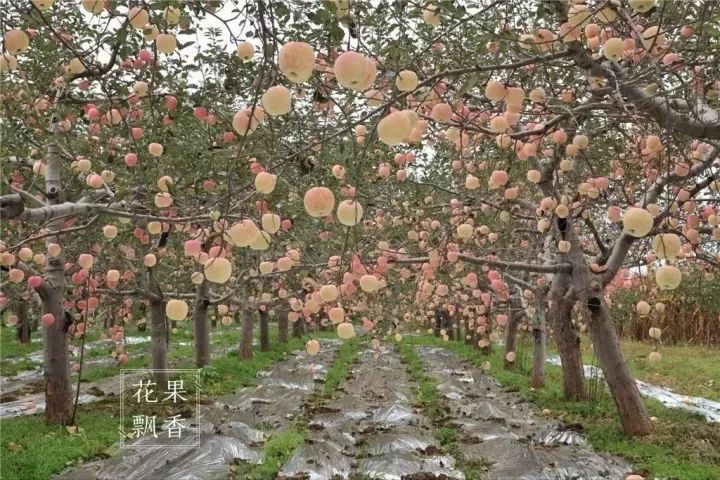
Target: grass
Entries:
(228, 373)
(180, 356)
(34, 450)
(13, 368)
(683, 446)
(10, 347)
(686, 369)
(436, 410)
(338, 371)
(277, 451)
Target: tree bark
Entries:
(511, 331)
(23, 327)
(200, 322)
(538, 331)
(264, 331)
(58, 392)
(299, 328)
(622, 385)
(567, 340)
(56, 362)
(633, 415)
(159, 341)
(283, 326)
(245, 350)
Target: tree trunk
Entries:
(469, 333)
(58, 392)
(457, 321)
(23, 326)
(283, 326)
(538, 330)
(511, 332)
(200, 322)
(299, 327)
(56, 362)
(622, 385)
(567, 340)
(245, 350)
(264, 331)
(159, 341)
(438, 322)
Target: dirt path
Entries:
(371, 429)
(501, 428)
(234, 427)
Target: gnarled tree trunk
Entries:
(567, 339)
(622, 385)
(245, 350)
(623, 388)
(264, 331)
(200, 322)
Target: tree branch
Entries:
(525, 267)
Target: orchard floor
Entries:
(422, 409)
(692, 370)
